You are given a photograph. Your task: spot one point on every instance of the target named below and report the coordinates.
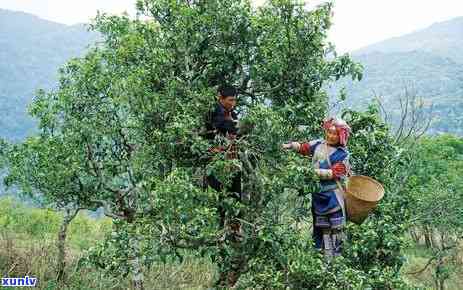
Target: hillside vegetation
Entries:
(427, 63)
(32, 50)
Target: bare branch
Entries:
(381, 106)
(412, 110)
(436, 256)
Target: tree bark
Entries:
(69, 215)
(415, 236)
(434, 242)
(442, 240)
(440, 279)
(427, 237)
(138, 280)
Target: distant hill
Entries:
(444, 39)
(428, 63)
(32, 50)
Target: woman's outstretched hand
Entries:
(287, 146)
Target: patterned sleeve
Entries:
(308, 148)
(340, 164)
(339, 170)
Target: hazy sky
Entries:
(356, 22)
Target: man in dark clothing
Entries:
(223, 121)
(223, 117)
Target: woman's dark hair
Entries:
(227, 91)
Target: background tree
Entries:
(436, 186)
(45, 169)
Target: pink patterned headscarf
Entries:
(341, 127)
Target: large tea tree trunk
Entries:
(69, 215)
(134, 260)
(135, 264)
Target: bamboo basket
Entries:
(362, 195)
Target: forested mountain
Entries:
(444, 39)
(32, 50)
(428, 63)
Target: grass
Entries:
(37, 259)
(27, 247)
(43, 224)
(417, 259)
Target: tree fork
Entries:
(69, 215)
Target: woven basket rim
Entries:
(381, 187)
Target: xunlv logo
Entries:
(19, 282)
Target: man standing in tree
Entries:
(222, 122)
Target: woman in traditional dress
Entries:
(330, 162)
